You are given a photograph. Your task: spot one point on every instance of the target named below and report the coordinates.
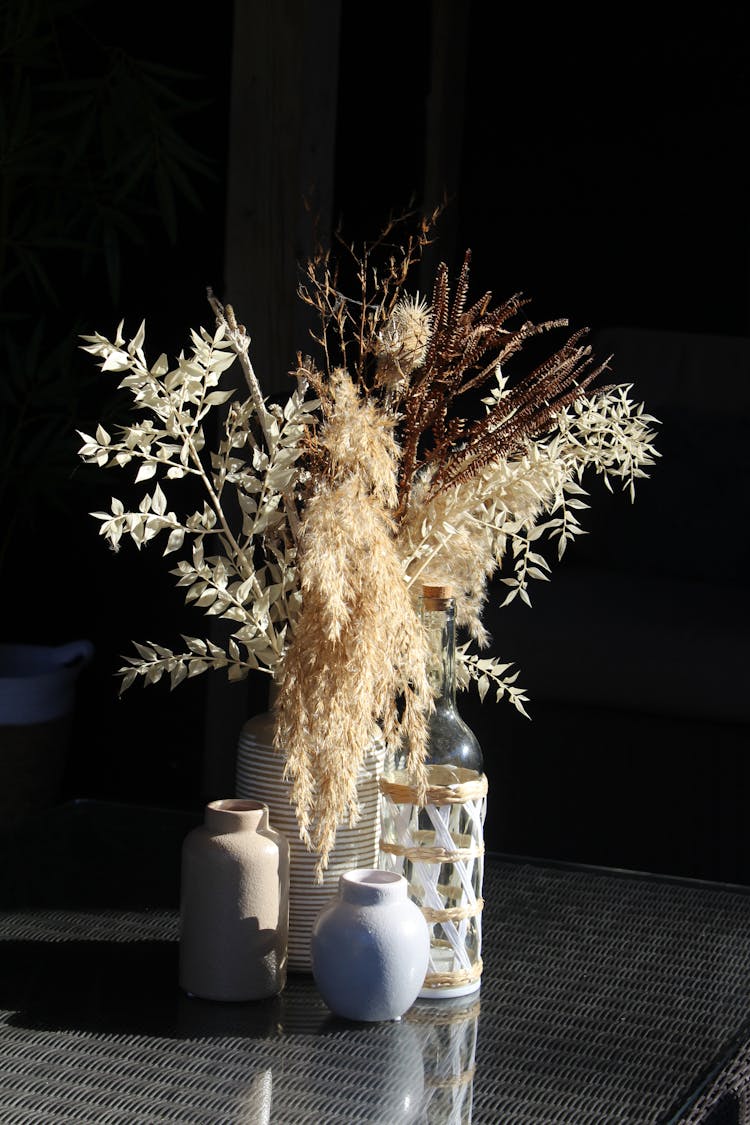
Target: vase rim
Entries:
(372, 876)
(369, 885)
(237, 805)
(235, 814)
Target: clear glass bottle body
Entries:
(439, 846)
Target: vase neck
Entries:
(367, 886)
(235, 815)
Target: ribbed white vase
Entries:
(259, 776)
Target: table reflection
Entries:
(447, 1032)
(320, 1068)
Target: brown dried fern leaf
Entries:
(465, 350)
(526, 412)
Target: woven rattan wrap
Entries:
(403, 794)
(604, 999)
(443, 864)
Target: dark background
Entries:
(602, 172)
(602, 168)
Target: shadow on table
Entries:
(130, 987)
(116, 1011)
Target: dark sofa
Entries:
(635, 655)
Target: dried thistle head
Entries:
(401, 346)
(354, 298)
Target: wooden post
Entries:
(443, 143)
(284, 88)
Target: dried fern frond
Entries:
(529, 410)
(466, 348)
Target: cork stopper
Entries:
(436, 595)
(434, 590)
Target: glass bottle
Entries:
(451, 741)
(439, 846)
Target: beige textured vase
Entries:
(259, 776)
(234, 904)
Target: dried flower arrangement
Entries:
(322, 516)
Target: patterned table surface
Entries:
(606, 997)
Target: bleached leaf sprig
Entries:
(610, 433)
(242, 566)
(488, 672)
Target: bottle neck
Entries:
(450, 741)
(439, 618)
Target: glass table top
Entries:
(606, 996)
